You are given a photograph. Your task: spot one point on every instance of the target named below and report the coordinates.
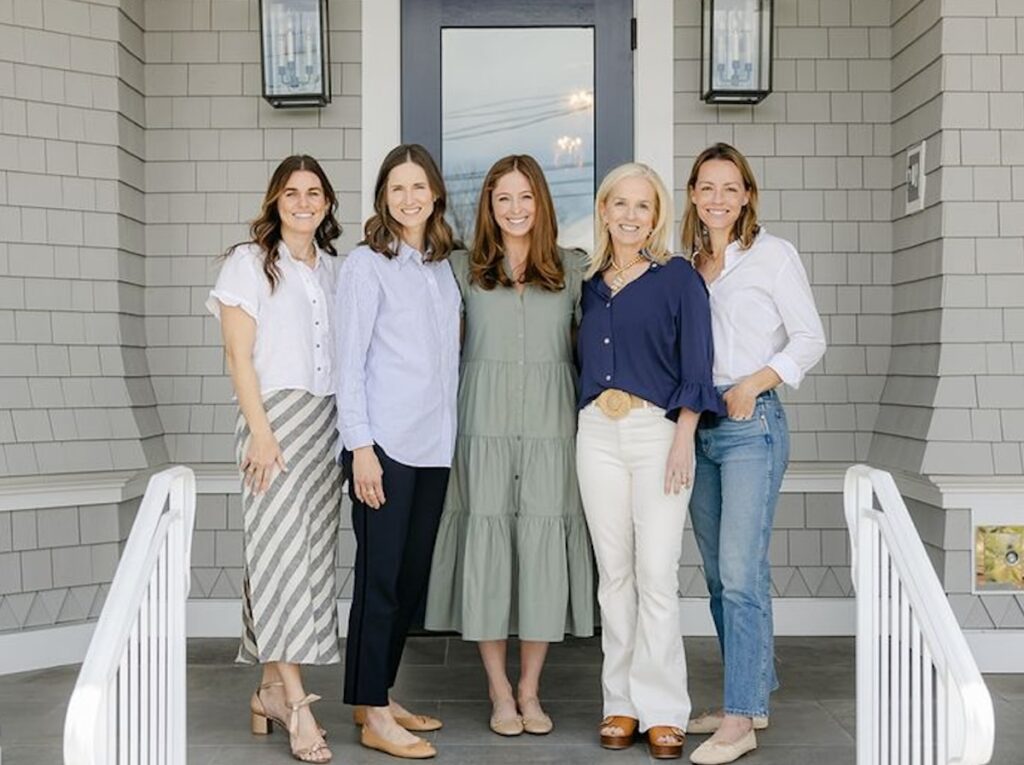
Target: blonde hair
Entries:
(695, 240)
(657, 243)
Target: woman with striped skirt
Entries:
(273, 297)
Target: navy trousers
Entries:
(394, 547)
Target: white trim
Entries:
(653, 78)
(82, 489)
(792, 616)
(996, 651)
(381, 90)
(43, 648)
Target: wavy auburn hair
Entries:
(657, 242)
(696, 242)
(382, 232)
(265, 230)
(543, 264)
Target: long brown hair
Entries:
(695, 240)
(265, 230)
(543, 264)
(382, 232)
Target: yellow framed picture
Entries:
(999, 559)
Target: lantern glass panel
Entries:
(293, 48)
(736, 65)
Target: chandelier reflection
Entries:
(568, 151)
(581, 99)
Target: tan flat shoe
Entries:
(263, 723)
(536, 724)
(507, 726)
(414, 723)
(713, 752)
(710, 721)
(420, 750)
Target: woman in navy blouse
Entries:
(646, 356)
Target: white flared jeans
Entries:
(637, 532)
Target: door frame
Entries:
(653, 99)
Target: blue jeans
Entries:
(740, 464)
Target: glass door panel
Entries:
(519, 91)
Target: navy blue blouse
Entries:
(653, 339)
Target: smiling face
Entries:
(302, 204)
(719, 195)
(629, 212)
(513, 205)
(410, 198)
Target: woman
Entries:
(272, 297)
(766, 331)
(512, 552)
(398, 355)
(645, 350)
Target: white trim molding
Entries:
(996, 651)
(381, 90)
(84, 489)
(653, 83)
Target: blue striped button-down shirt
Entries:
(397, 335)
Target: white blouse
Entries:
(763, 313)
(294, 347)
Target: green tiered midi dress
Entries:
(512, 554)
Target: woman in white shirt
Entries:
(397, 313)
(766, 332)
(272, 298)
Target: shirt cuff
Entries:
(787, 369)
(696, 397)
(356, 437)
(219, 297)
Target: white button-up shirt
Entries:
(294, 347)
(397, 347)
(763, 313)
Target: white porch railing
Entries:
(920, 697)
(128, 706)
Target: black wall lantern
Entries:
(296, 65)
(736, 51)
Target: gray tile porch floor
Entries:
(812, 714)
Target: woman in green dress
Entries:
(512, 554)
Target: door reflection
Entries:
(520, 91)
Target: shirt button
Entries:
(606, 341)
(607, 305)
(316, 323)
(607, 378)
(517, 476)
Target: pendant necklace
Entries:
(619, 279)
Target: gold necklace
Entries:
(619, 279)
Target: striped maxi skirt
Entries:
(290, 536)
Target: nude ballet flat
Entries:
(710, 721)
(713, 752)
(414, 723)
(420, 750)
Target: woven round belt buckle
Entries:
(614, 403)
